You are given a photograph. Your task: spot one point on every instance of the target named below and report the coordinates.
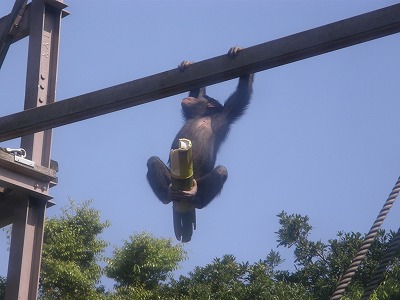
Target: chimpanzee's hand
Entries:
(234, 51)
(184, 65)
(182, 196)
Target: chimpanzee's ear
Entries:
(197, 93)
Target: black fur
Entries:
(207, 124)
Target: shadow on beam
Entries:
(257, 58)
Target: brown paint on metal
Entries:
(26, 204)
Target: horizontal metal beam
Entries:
(8, 203)
(32, 180)
(8, 160)
(268, 55)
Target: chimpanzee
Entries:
(207, 124)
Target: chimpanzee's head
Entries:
(199, 107)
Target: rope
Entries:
(346, 278)
(389, 254)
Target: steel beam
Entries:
(41, 74)
(22, 30)
(29, 196)
(10, 25)
(278, 52)
(34, 181)
(25, 248)
(6, 208)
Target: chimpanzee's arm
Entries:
(237, 103)
(196, 93)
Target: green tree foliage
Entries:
(318, 268)
(319, 265)
(225, 278)
(2, 287)
(222, 278)
(71, 252)
(142, 265)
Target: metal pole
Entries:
(25, 249)
(41, 74)
(29, 213)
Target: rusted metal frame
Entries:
(22, 30)
(25, 248)
(18, 177)
(278, 52)
(23, 27)
(33, 180)
(6, 209)
(7, 160)
(41, 75)
(10, 26)
(7, 206)
(37, 187)
(29, 212)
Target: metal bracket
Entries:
(24, 161)
(19, 156)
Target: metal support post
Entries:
(26, 247)
(42, 73)
(29, 212)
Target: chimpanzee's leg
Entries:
(159, 178)
(209, 186)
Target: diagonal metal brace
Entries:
(10, 29)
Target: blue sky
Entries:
(320, 137)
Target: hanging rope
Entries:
(389, 254)
(346, 278)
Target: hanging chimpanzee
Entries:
(207, 124)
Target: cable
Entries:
(346, 278)
(389, 254)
